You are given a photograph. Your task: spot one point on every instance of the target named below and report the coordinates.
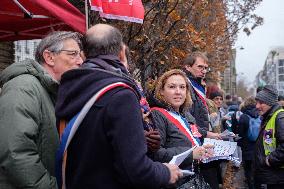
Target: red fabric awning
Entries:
(33, 19)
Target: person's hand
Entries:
(213, 135)
(214, 114)
(145, 115)
(204, 151)
(209, 150)
(198, 152)
(175, 172)
(153, 140)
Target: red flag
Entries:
(127, 10)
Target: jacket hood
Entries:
(30, 67)
(79, 85)
(251, 111)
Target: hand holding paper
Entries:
(222, 149)
(178, 159)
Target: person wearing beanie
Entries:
(217, 98)
(269, 151)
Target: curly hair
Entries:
(249, 101)
(161, 83)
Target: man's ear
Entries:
(83, 56)
(48, 57)
(122, 57)
(187, 67)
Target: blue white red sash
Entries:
(200, 91)
(179, 123)
(70, 130)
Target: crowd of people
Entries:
(75, 118)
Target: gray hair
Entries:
(102, 39)
(54, 43)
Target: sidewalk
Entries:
(234, 178)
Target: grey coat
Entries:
(28, 134)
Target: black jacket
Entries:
(198, 110)
(173, 141)
(264, 173)
(109, 148)
(242, 129)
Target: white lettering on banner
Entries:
(116, 1)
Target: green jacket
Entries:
(28, 134)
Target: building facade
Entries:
(273, 70)
(229, 81)
(25, 49)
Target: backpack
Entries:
(232, 123)
(253, 130)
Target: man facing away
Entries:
(109, 149)
(28, 134)
(269, 151)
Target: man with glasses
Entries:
(196, 66)
(28, 134)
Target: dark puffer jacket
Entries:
(273, 174)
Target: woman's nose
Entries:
(178, 90)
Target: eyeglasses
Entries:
(205, 68)
(72, 53)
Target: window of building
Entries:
(281, 77)
(281, 70)
(281, 62)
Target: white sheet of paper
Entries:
(178, 159)
(187, 172)
(221, 147)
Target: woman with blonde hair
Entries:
(174, 122)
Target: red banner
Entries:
(127, 10)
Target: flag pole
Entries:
(87, 14)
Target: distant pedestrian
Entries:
(247, 145)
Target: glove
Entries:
(153, 140)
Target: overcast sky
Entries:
(250, 60)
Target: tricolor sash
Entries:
(68, 131)
(180, 123)
(200, 92)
